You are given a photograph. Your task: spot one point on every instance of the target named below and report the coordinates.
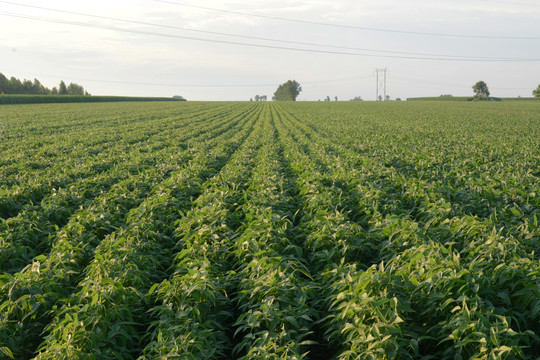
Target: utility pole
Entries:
(381, 83)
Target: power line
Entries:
(337, 80)
(140, 32)
(350, 26)
(252, 37)
(179, 85)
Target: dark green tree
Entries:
(37, 88)
(75, 89)
(536, 92)
(288, 91)
(4, 84)
(62, 88)
(14, 86)
(481, 91)
(27, 87)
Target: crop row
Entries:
(272, 231)
(434, 264)
(50, 279)
(191, 307)
(28, 233)
(238, 288)
(70, 151)
(107, 313)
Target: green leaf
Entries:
(95, 299)
(153, 288)
(7, 352)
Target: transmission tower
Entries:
(381, 83)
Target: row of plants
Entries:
(31, 231)
(270, 278)
(51, 277)
(107, 315)
(504, 322)
(46, 284)
(192, 307)
(69, 146)
(250, 231)
(338, 237)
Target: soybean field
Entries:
(253, 230)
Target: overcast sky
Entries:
(332, 48)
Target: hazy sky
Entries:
(187, 47)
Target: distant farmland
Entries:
(468, 98)
(224, 230)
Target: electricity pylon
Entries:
(381, 84)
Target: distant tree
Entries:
(176, 97)
(357, 98)
(481, 91)
(62, 88)
(379, 98)
(263, 98)
(398, 99)
(327, 98)
(536, 92)
(288, 91)
(15, 86)
(4, 84)
(75, 89)
(336, 98)
(387, 98)
(274, 98)
(40, 89)
(257, 97)
(27, 87)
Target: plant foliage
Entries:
(270, 231)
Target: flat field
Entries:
(270, 230)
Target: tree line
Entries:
(28, 87)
